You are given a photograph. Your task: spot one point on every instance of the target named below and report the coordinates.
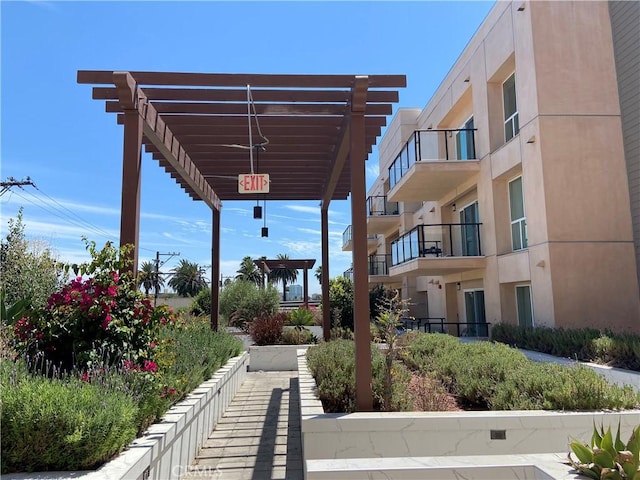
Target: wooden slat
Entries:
(267, 109)
(259, 96)
(240, 80)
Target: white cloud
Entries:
(303, 247)
(304, 209)
(50, 231)
(373, 169)
(243, 212)
(309, 230)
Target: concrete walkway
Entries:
(259, 435)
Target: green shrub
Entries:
(333, 367)
(293, 336)
(241, 302)
(497, 377)
(60, 424)
(201, 304)
(191, 354)
(585, 344)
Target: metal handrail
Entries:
(448, 240)
(418, 148)
(379, 264)
(462, 329)
(378, 205)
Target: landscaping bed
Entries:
(84, 375)
(481, 376)
(584, 344)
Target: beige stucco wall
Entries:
(580, 260)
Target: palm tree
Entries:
(187, 278)
(318, 274)
(283, 275)
(148, 278)
(249, 272)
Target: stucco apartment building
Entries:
(514, 195)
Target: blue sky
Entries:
(53, 132)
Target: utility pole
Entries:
(12, 182)
(158, 265)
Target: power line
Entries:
(157, 267)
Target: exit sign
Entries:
(253, 183)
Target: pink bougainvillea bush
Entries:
(99, 318)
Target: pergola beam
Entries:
(265, 121)
(273, 109)
(157, 132)
(240, 95)
(241, 80)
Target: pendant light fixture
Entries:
(265, 229)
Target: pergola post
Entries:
(215, 268)
(326, 305)
(131, 176)
(357, 157)
(305, 288)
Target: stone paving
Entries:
(259, 435)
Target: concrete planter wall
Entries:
(383, 435)
(269, 358)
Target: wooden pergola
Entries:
(314, 135)
(266, 266)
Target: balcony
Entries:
(347, 237)
(432, 163)
(378, 270)
(437, 249)
(347, 240)
(382, 215)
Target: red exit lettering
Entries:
(253, 183)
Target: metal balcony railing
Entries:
(438, 325)
(433, 145)
(378, 205)
(379, 264)
(348, 273)
(437, 240)
(346, 236)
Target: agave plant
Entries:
(300, 318)
(606, 457)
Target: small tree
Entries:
(29, 270)
(341, 299)
(387, 322)
(241, 302)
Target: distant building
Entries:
(294, 292)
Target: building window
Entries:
(465, 145)
(475, 313)
(524, 305)
(519, 238)
(511, 125)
